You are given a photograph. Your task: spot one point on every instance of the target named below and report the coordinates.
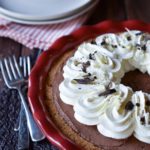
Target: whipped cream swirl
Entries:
(118, 122)
(142, 115)
(141, 43)
(88, 58)
(71, 92)
(116, 46)
(89, 109)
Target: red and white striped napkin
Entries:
(38, 36)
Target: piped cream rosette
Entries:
(118, 121)
(116, 46)
(72, 91)
(89, 59)
(141, 59)
(92, 85)
(89, 108)
(142, 115)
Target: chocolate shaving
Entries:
(129, 106)
(142, 119)
(93, 42)
(85, 65)
(103, 43)
(107, 92)
(89, 74)
(91, 56)
(114, 46)
(95, 77)
(139, 33)
(137, 104)
(143, 47)
(129, 38)
(84, 81)
(138, 46)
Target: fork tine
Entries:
(21, 64)
(24, 67)
(17, 67)
(12, 68)
(8, 69)
(20, 61)
(4, 74)
(29, 64)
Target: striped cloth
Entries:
(38, 36)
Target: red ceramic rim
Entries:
(45, 61)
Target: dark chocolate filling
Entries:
(137, 81)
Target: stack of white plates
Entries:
(44, 11)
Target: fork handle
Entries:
(35, 132)
(23, 137)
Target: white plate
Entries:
(40, 9)
(53, 21)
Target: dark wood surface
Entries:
(9, 100)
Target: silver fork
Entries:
(23, 135)
(14, 80)
(25, 66)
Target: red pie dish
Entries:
(55, 118)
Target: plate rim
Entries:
(32, 17)
(45, 22)
(39, 72)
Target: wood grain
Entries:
(108, 9)
(138, 9)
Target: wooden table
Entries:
(9, 100)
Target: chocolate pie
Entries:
(97, 95)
